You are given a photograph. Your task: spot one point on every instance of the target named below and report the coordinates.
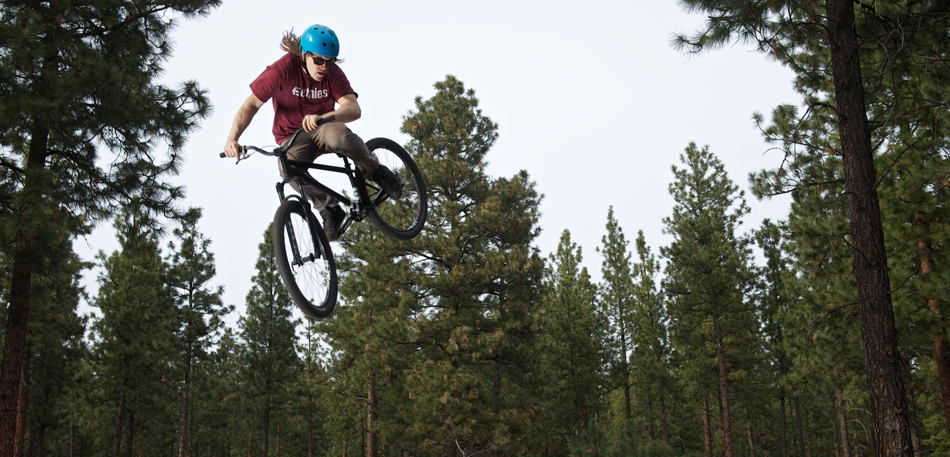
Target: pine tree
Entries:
(574, 351)
(773, 300)
(56, 340)
(200, 306)
(438, 329)
(864, 71)
(268, 358)
(76, 77)
(224, 410)
(651, 345)
(135, 333)
(314, 384)
(706, 273)
(616, 294)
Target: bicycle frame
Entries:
(296, 172)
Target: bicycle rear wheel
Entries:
(401, 219)
(304, 260)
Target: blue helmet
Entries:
(320, 40)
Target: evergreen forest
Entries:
(821, 334)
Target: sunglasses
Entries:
(319, 62)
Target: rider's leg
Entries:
(304, 150)
(338, 138)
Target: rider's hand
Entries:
(232, 148)
(310, 122)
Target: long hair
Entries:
(291, 43)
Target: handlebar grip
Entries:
(241, 152)
(324, 120)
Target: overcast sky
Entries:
(590, 98)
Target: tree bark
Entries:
(783, 428)
(707, 428)
(748, 431)
(117, 434)
(891, 432)
(16, 357)
(130, 443)
(939, 328)
(727, 446)
(21, 406)
(834, 429)
(798, 424)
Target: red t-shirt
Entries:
(296, 94)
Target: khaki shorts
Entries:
(329, 138)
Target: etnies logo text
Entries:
(310, 93)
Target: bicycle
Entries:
(301, 247)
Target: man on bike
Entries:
(306, 85)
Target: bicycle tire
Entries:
(401, 219)
(309, 272)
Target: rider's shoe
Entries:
(389, 181)
(333, 217)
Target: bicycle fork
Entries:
(299, 260)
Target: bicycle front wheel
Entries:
(304, 260)
(401, 219)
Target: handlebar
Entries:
(244, 149)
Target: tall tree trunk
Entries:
(182, 430)
(22, 398)
(727, 447)
(912, 422)
(40, 440)
(783, 428)
(843, 424)
(891, 432)
(939, 329)
(16, 358)
(837, 437)
(130, 443)
(16, 355)
(117, 432)
(748, 431)
(31, 449)
(666, 429)
(798, 425)
(707, 428)
(371, 440)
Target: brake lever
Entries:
(241, 155)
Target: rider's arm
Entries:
(348, 111)
(241, 120)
